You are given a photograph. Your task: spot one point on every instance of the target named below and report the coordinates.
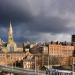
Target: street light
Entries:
(48, 57)
(35, 65)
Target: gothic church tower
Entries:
(11, 45)
(10, 34)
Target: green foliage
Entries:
(5, 45)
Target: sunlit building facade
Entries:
(62, 52)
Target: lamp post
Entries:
(35, 65)
(73, 65)
(48, 56)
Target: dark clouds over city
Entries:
(40, 20)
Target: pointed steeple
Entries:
(11, 45)
(10, 33)
(10, 28)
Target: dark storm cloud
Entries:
(49, 24)
(30, 18)
(13, 10)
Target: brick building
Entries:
(62, 51)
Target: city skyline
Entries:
(38, 20)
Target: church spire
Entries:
(10, 28)
(11, 45)
(10, 33)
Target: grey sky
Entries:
(39, 20)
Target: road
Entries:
(20, 71)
